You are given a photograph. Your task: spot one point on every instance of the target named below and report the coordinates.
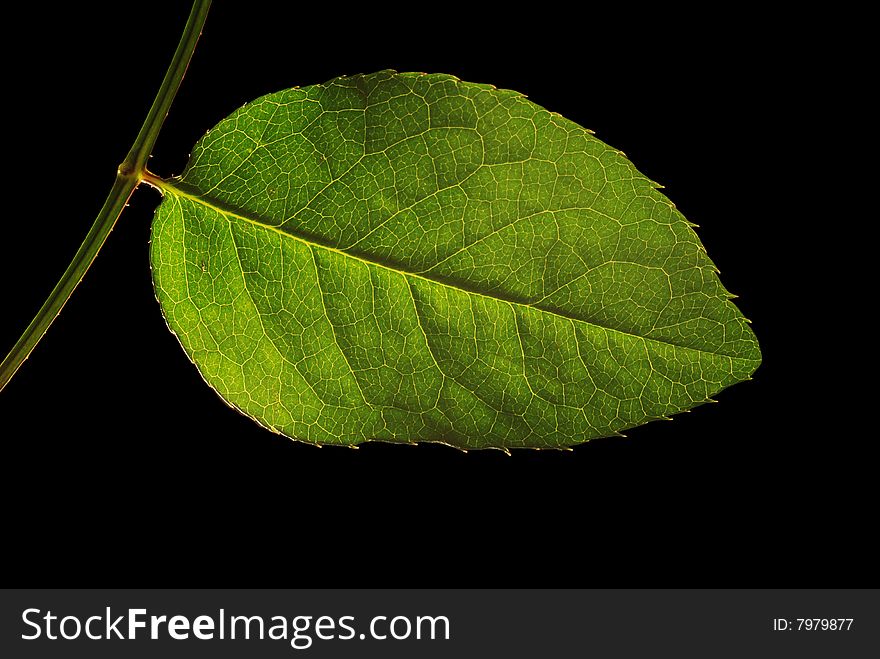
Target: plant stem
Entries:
(136, 160)
(129, 175)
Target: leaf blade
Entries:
(376, 224)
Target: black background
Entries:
(121, 467)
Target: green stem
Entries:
(130, 174)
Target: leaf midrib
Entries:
(168, 187)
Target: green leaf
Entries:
(409, 258)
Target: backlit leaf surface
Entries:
(409, 257)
